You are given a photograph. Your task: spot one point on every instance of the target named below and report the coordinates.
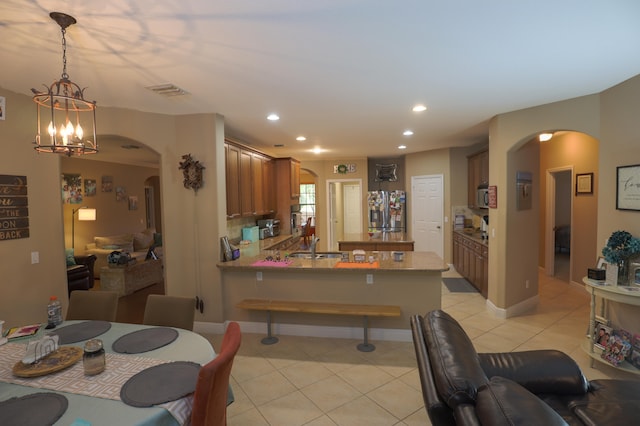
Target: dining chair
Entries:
(169, 311)
(93, 305)
(212, 387)
(306, 234)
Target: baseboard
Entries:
(381, 334)
(515, 310)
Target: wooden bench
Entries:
(365, 311)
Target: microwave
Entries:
(483, 197)
(268, 228)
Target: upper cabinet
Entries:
(232, 162)
(250, 182)
(288, 178)
(478, 173)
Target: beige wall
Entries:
(112, 217)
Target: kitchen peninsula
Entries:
(413, 284)
(383, 241)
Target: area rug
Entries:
(459, 285)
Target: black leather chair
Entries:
(80, 276)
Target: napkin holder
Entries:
(38, 349)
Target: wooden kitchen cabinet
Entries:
(477, 174)
(287, 176)
(250, 182)
(471, 260)
(232, 162)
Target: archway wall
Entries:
(577, 152)
(193, 222)
(514, 233)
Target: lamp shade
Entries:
(87, 214)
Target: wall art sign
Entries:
(584, 183)
(344, 168)
(107, 183)
(71, 188)
(493, 197)
(524, 183)
(14, 207)
(628, 187)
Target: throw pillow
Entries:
(142, 240)
(70, 259)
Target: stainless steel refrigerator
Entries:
(387, 211)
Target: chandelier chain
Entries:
(65, 76)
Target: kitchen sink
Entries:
(319, 255)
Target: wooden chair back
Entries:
(212, 387)
(169, 311)
(94, 305)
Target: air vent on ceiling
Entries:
(130, 146)
(167, 90)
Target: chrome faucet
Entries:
(312, 246)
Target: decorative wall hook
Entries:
(192, 172)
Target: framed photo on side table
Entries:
(584, 183)
(628, 187)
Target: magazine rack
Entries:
(629, 295)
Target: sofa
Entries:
(80, 273)
(541, 387)
(136, 244)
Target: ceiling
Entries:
(343, 73)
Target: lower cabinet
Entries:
(471, 260)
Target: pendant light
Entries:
(67, 119)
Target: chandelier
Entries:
(62, 110)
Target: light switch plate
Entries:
(35, 257)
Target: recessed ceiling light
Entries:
(419, 108)
(301, 139)
(407, 132)
(402, 147)
(545, 137)
(273, 117)
(317, 150)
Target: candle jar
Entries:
(93, 359)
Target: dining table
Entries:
(95, 400)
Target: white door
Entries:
(427, 210)
(344, 209)
(352, 209)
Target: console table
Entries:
(629, 295)
(127, 279)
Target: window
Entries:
(308, 202)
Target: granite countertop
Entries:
(475, 236)
(384, 237)
(412, 261)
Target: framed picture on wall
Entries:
(628, 187)
(584, 183)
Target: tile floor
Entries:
(318, 382)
